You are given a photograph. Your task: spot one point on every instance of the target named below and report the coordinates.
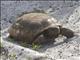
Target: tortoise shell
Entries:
(29, 26)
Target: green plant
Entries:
(12, 56)
(35, 46)
(24, 44)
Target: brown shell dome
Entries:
(29, 26)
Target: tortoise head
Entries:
(66, 32)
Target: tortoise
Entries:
(33, 25)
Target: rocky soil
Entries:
(67, 12)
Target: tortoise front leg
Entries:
(51, 34)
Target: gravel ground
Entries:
(68, 13)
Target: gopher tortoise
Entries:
(29, 27)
